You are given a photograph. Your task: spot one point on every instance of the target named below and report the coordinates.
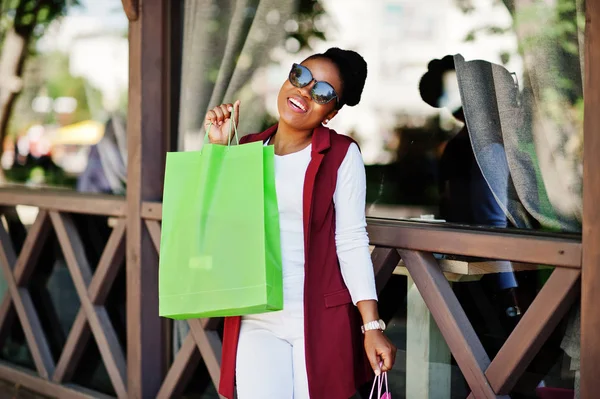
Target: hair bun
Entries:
(353, 71)
(431, 85)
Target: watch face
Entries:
(382, 325)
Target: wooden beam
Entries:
(65, 201)
(26, 378)
(527, 248)
(146, 143)
(590, 280)
(451, 277)
(97, 316)
(451, 320)
(547, 249)
(181, 371)
(73, 350)
(209, 345)
(539, 321)
(385, 261)
(153, 227)
(109, 265)
(7, 318)
(152, 210)
(26, 261)
(32, 328)
(480, 268)
(32, 248)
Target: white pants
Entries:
(270, 357)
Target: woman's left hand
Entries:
(379, 349)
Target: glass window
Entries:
(472, 114)
(472, 110)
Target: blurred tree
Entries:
(307, 15)
(22, 22)
(60, 83)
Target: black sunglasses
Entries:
(321, 92)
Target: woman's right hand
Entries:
(221, 130)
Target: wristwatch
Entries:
(373, 325)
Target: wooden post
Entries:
(147, 124)
(590, 283)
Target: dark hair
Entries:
(431, 85)
(353, 72)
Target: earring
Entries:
(326, 121)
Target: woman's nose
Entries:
(307, 89)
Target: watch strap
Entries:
(372, 325)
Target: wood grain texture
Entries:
(97, 316)
(109, 265)
(64, 201)
(543, 315)
(555, 251)
(101, 284)
(384, 263)
(479, 268)
(32, 247)
(209, 344)
(25, 263)
(153, 227)
(450, 319)
(481, 243)
(26, 378)
(590, 280)
(152, 210)
(75, 345)
(183, 368)
(146, 143)
(21, 299)
(7, 317)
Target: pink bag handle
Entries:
(380, 380)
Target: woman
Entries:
(313, 347)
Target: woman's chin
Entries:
(297, 121)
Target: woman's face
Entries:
(313, 114)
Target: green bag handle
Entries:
(233, 127)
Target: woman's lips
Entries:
(297, 104)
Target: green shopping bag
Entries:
(220, 252)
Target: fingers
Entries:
(220, 116)
(374, 361)
(221, 113)
(226, 110)
(211, 117)
(388, 357)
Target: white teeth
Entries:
(297, 104)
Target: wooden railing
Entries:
(92, 320)
(410, 243)
(415, 243)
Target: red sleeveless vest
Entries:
(335, 358)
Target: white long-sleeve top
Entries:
(351, 238)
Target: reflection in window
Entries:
(67, 104)
(244, 53)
